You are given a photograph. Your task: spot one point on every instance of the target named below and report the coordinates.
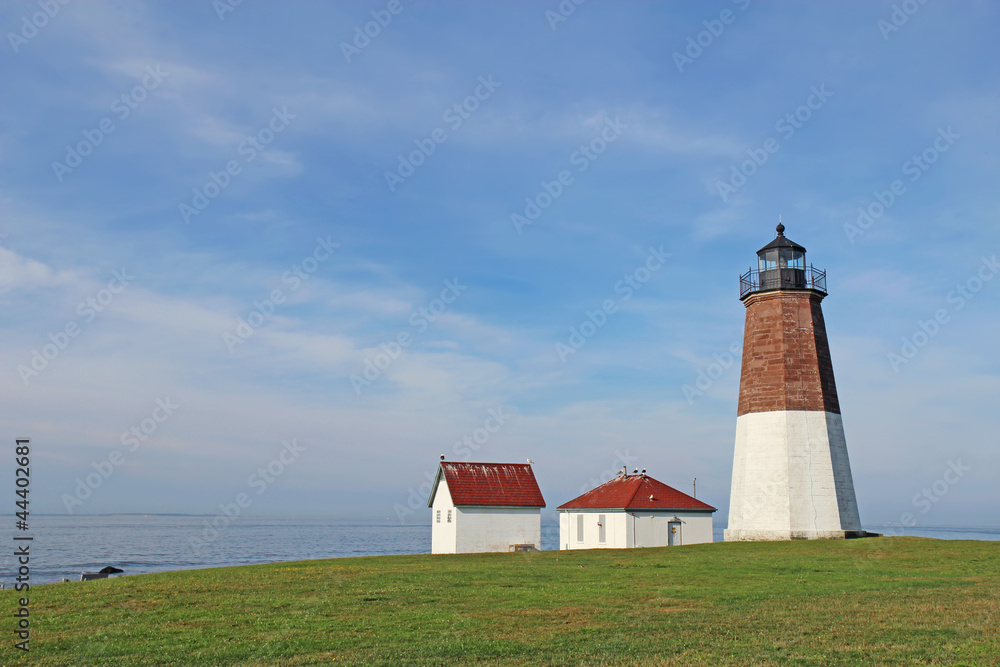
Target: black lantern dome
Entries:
(781, 264)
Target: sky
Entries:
(292, 253)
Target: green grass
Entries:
(885, 601)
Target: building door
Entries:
(673, 534)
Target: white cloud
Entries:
(18, 272)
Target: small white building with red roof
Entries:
(477, 507)
(634, 511)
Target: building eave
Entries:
(434, 486)
(523, 507)
(636, 509)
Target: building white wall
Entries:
(482, 529)
(791, 478)
(479, 529)
(443, 534)
(625, 530)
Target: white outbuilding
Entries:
(478, 507)
(634, 511)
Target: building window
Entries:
(439, 516)
(579, 528)
(602, 535)
(449, 516)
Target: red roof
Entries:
(490, 484)
(635, 492)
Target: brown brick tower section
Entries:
(786, 355)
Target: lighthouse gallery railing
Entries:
(809, 278)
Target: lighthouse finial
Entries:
(780, 228)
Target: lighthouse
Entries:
(791, 474)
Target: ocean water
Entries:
(66, 546)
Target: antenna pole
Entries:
(694, 488)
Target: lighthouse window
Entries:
(791, 259)
(439, 516)
(769, 260)
(449, 516)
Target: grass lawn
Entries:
(880, 601)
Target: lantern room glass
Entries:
(781, 258)
(782, 268)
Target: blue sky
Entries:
(279, 138)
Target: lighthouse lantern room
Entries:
(782, 264)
